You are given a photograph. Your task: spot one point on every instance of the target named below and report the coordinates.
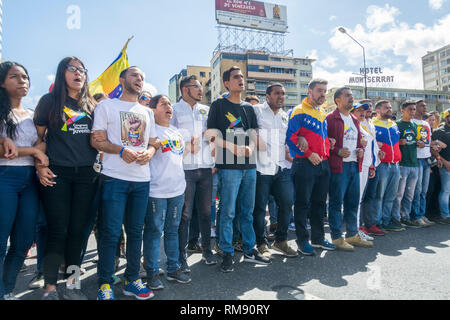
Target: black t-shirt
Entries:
(68, 144)
(443, 134)
(234, 122)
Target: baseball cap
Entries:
(365, 106)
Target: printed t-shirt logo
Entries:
(233, 121)
(133, 127)
(423, 134)
(175, 144)
(73, 117)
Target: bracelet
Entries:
(121, 151)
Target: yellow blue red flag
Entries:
(108, 82)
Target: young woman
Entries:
(68, 184)
(167, 187)
(19, 203)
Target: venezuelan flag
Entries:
(108, 82)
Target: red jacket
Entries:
(336, 131)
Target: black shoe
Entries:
(194, 248)
(227, 263)
(184, 266)
(256, 257)
(208, 258)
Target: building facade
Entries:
(260, 69)
(436, 100)
(436, 69)
(203, 75)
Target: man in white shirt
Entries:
(125, 131)
(273, 171)
(190, 117)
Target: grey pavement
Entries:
(411, 265)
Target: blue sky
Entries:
(172, 34)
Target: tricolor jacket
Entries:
(389, 135)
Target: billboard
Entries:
(252, 14)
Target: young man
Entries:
(190, 117)
(274, 174)
(409, 168)
(232, 126)
(419, 204)
(345, 163)
(307, 139)
(125, 131)
(388, 135)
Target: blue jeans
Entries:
(388, 180)
(213, 200)
(273, 210)
(121, 199)
(369, 213)
(344, 190)
(419, 205)
(445, 192)
(405, 194)
(238, 189)
(41, 237)
(163, 215)
(19, 205)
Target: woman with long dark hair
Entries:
(64, 121)
(19, 202)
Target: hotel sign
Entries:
(374, 76)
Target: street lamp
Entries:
(342, 29)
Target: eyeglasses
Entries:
(75, 69)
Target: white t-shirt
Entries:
(26, 136)
(350, 137)
(166, 167)
(423, 134)
(130, 125)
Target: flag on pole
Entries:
(108, 82)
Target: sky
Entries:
(171, 34)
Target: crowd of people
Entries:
(137, 169)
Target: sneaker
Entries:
(392, 227)
(306, 249)
(178, 276)
(218, 251)
(264, 251)
(116, 279)
(238, 246)
(138, 290)
(227, 263)
(398, 224)
(291, 227)
(51, 296)
(411, 224)
(74, 295)
(194, 248)
(444, 221)
(285, 249)
(325, 245)
(375, 231)
(208, 258)
(422, 223)
(37, 282)
(342, 245)
(357, 241)
(10, 297)
(184, 266)
(105, 293)
(213, 232)
(256, 257)
(428, 222)
(155, 283)
(364, 235)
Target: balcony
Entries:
(285, 64)
(271, 76)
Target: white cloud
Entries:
(332, 18)
(328, 62)
(435, 4)
(151, 88)
(378, 17)
(312, 55)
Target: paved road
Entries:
(409, 265)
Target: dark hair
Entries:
(60, 93)
(7, 122)
(315, 82)
(407, 104)
(184, 81)
(252, 98)
(272, 86)
(426, 116)
(123, 74)
(155, 100)
(380, 103)
(227, 74)
(339, 93)
(99, 96)
(420, 101)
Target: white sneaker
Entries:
(10, 297)
(365, 236)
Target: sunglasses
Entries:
(145, 98)
(74, 69)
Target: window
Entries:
(253, 56)
(304, 86)
(202, 74)
(291, 85)
(216, 62)
(260, 86)
(233, 56)
(305, 74)
(253, 68)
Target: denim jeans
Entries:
(123, 202)
(388, 181)
(19, 208)
(40, 237)
(213, 199)
(273, 210)
(419, 205)
(163, 215)
(445, 192)
(344, 190)
(311, 189)
(237, 199)
(198, 193)
(281, 187)
(369, 211)
(405, 194)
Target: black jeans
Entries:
(198, 192)
(311, 189)
(67, 207)
(282, 188)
